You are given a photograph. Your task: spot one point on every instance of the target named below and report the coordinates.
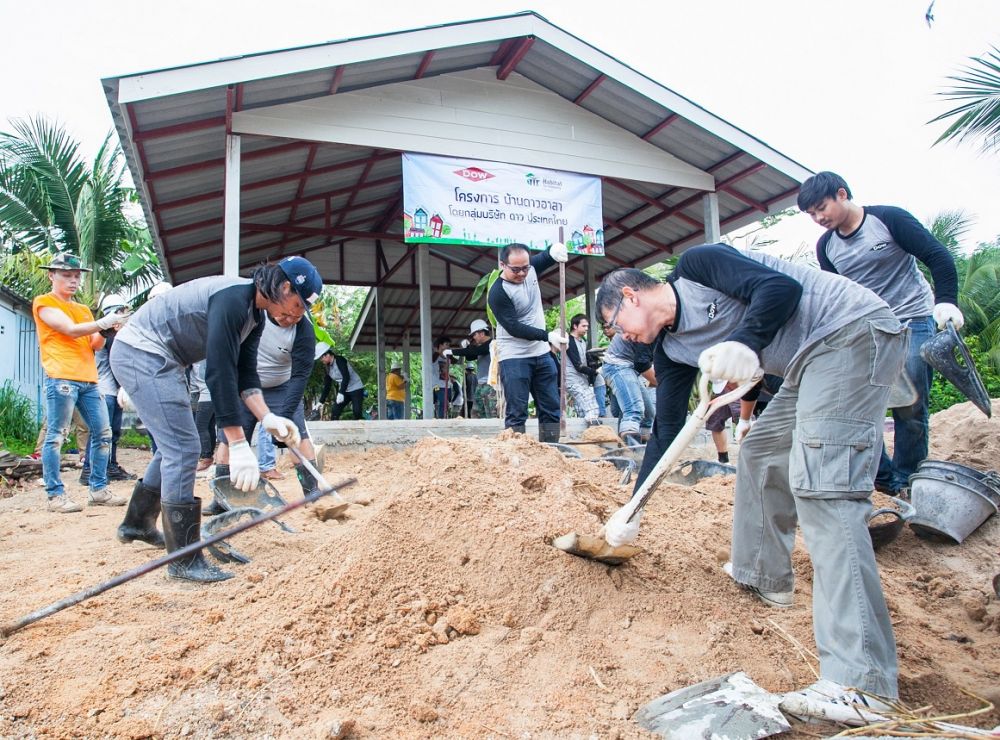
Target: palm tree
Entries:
(51, 200)
(978, 91)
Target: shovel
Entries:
(939, 353)
(615, 553)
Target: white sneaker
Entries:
(832, 692)
(777, 599)
(104, 497)
(829, 701)
(63, 505)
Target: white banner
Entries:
(447, 200)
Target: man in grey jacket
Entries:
(812, 457)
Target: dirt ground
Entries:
(440, 610)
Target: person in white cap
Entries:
(395, 392)
(68, 335)
(477, 347)
(219, 319)
(350, 387)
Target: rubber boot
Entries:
(214, 508)
(182, 527)
(519, 428)
(548, 432)
(140, 517)
(306, 480)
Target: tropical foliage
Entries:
(977, 92)
(52, 200)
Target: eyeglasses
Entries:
(517, 270)
(613, 321)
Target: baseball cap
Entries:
(321, 349)
(112, 302)
(304, 278)
(478, 325)
(66, 261)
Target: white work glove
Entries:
(124, 402)
(558, 252)
(618, 532)
(118, 317)
(729, 361)
(340, 398)
(743, 427)
(557, 338)
(464, 343)
(447, 353)
(243, 470)
(282, 429)
(945, 312)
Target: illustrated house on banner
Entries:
(436, 225)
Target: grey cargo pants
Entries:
(811, 460)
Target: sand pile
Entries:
(964, 435)
(441, 610)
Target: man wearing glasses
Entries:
(526, 364)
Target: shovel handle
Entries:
(324, 486)
(706, 406)
(152, 565)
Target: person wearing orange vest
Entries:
(68, 336)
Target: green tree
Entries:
(977, 90)
(52, 200)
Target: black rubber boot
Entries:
(140, 517)
(306, 480)
(724, 458)
(215, 508)
(519, 428)
(548, 432)
(85, 475)
(181, 527)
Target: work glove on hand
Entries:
(282, 429)
(743, 427)
(243, 470)
(464, 343)
(618, 532)
(558, 252)
(112, 319)
(447, 353)
(729, 361)
(945, 312)
(557, 338)
(124, 402)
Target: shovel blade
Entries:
(595, 548)
(265, 496)
(730, 706)
(939, 353)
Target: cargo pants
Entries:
(811, 461)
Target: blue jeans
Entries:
(267, 454)
(537, 376)
(624, 382)
(61, 396)
(394, 409)
(911, 422)
(600, 393)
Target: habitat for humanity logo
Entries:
(530, 178)
(475, 174)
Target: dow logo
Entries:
(475, 174)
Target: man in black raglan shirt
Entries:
(218, 319)
(526, 364)
(811, 458)
(878, 247)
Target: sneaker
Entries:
(104, 497)
(825, 691)
(777, 599)
(63, 505)
(273, 474)
(204, 463)
(116, 473)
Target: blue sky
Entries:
(846, 86)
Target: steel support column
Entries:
(710, 217)
(380, 351)
(231, 212)
(426, 329)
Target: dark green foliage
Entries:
(17, 419)
(944, 394)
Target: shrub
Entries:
(17, 418)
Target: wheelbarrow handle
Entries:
(152, 565)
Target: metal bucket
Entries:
(990, 481)
(949, 505)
